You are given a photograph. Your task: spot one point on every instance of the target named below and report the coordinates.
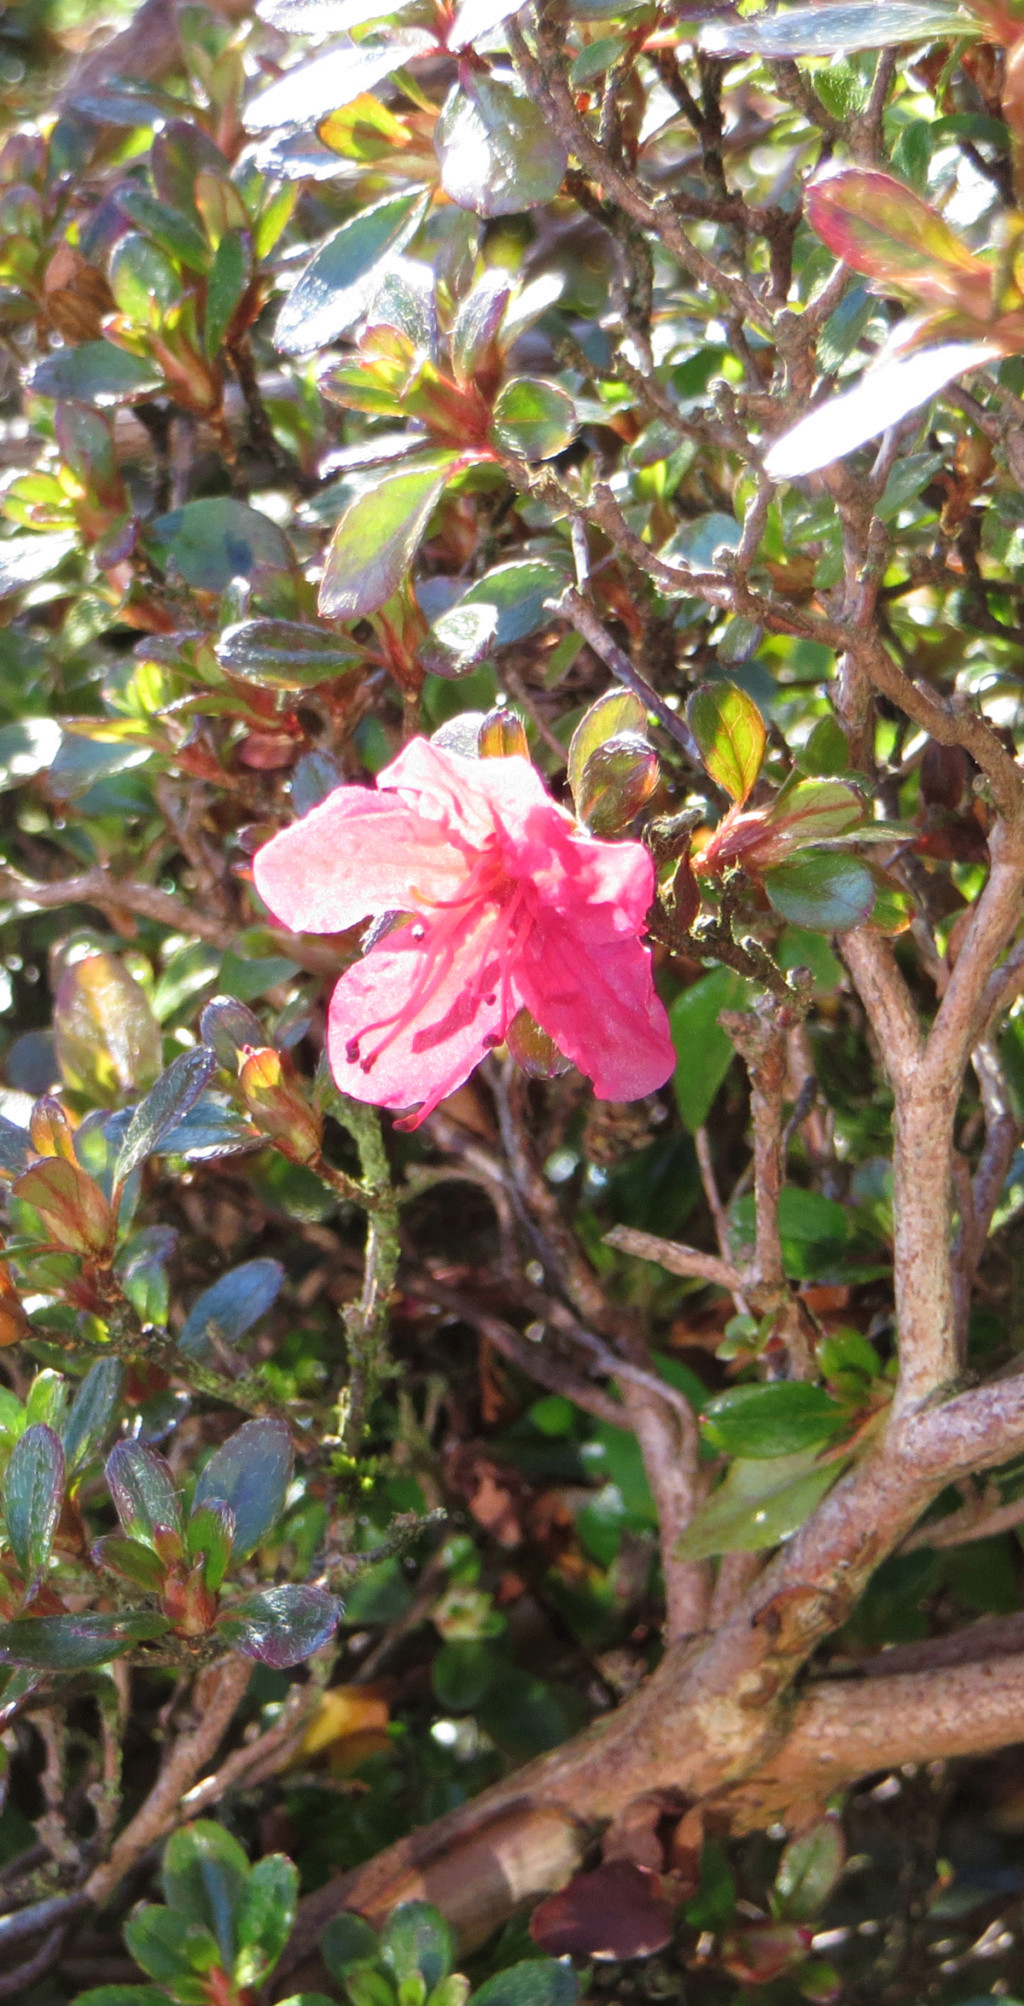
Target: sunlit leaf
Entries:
(342, 73)
(377, 538)
(821, 30)
(730, 732)
(497, 151)
(882, 397)
(336, 285)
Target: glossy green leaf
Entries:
(210, 1533)
(540, 1981)
(92, 1411)
(809, 1869)
(306, 93)
(170, 228)
(284, 654)
(131, 1560)
(474, 335)
(416, 1939)
(518, 592)
(143, 280)
(778, 1419)
(204, 1877)
(825, 753)
(756, 1505)
(281, 1626)
(225, 288)
(378, 536)
(616, 712)
(95, 373)
(264, 1918)
(813, 811)
(33, 1494)
(731, 735)
(143, 1489)
(822, 890)
(459, 639)
(335, 287)
(532, 419)
(76, 1643)
(498, 153)
(348, 1940)
(251, 1473)
(704, 1052)
(168, 1951)
(618, 778)
(167, 1101)
(212, 541)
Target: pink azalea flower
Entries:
(509, 906)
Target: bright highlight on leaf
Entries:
(884, 396)
(730, 732)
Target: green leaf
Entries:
(143, 280)
(286, 654)
(540, 1981)
(95, 372)
(416, 1939)
(837, 24)
(133, 1561)
(174, 232)
(813, 811)
(378, 536)
(231, 1306)
(337, 284)
(143, 1489)
(532, 419)
(704, 1051)
(92, 1411)
(210, 1532)
(616, 712)
(165, 1950)
(730, 733)
(348, 1940)
(33, 1496)
(106, 1037)
(617, 779)
(458, 640)
(809, 1869)
(122, 1995)
(821, 890)
(76, 1643)
(264, 1918)
(166, 1103)
(756, 1505)
(251, 1473)
(474, 336)
(212, 541)
(517, 591)
(32, 742)
(497, 150)
(225, 287)
(204, 1876)
(779, 1419)
(281, 1626)
(826, 752)
(226, 1025)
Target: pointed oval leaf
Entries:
(285, 654)
(281, 1626)
(72, 1209)
(880, 227)
(756, 1505)
(33, 1496)
(264, 1918)
(143, 1490)
(378, 536)
(216, 539)
(809, 1869)
(532, 419)
(416, 1939)
(226, 1025)
(92, 1411)
(616, 712)
(204, 1875)
(348, 1940)
(305, 94)
(165, 1105)
(232, 1305)
(497, 151)
(251, 1473)
(731, 735)
(95, 373)
(812, 810)
(74, 1643)
(826, 892)
(475, 327)
(106, 1037)
(834, 25)
(337, 284)
(779, 1419)
(882, 397)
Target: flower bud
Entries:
(51, 1130)
(72, 1208)
(502, 735)
(276, 1110)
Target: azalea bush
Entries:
(511, 1023)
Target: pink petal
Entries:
(591, 989)
(357, 853)
(445, 1037)
(474, 796)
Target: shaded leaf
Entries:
(164, 1106)
(281, 1626)
(704, 1051)
(74, 1643)
(756, 1505)
(821, 890)
(230, 1307)
(417, 1939)
(229, 277)
(251, 1472)
(377, 538)
(532, 419)
(337, 284)
(539, 1981)
(347, 1940)
(92, 1410)
(143, 1489)
(204, 1877)
(618, 1911)
(33, 1496)
(106, 1038)
(809, 1870)
(779, 1419)
(264, 1918)
(212, 541)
